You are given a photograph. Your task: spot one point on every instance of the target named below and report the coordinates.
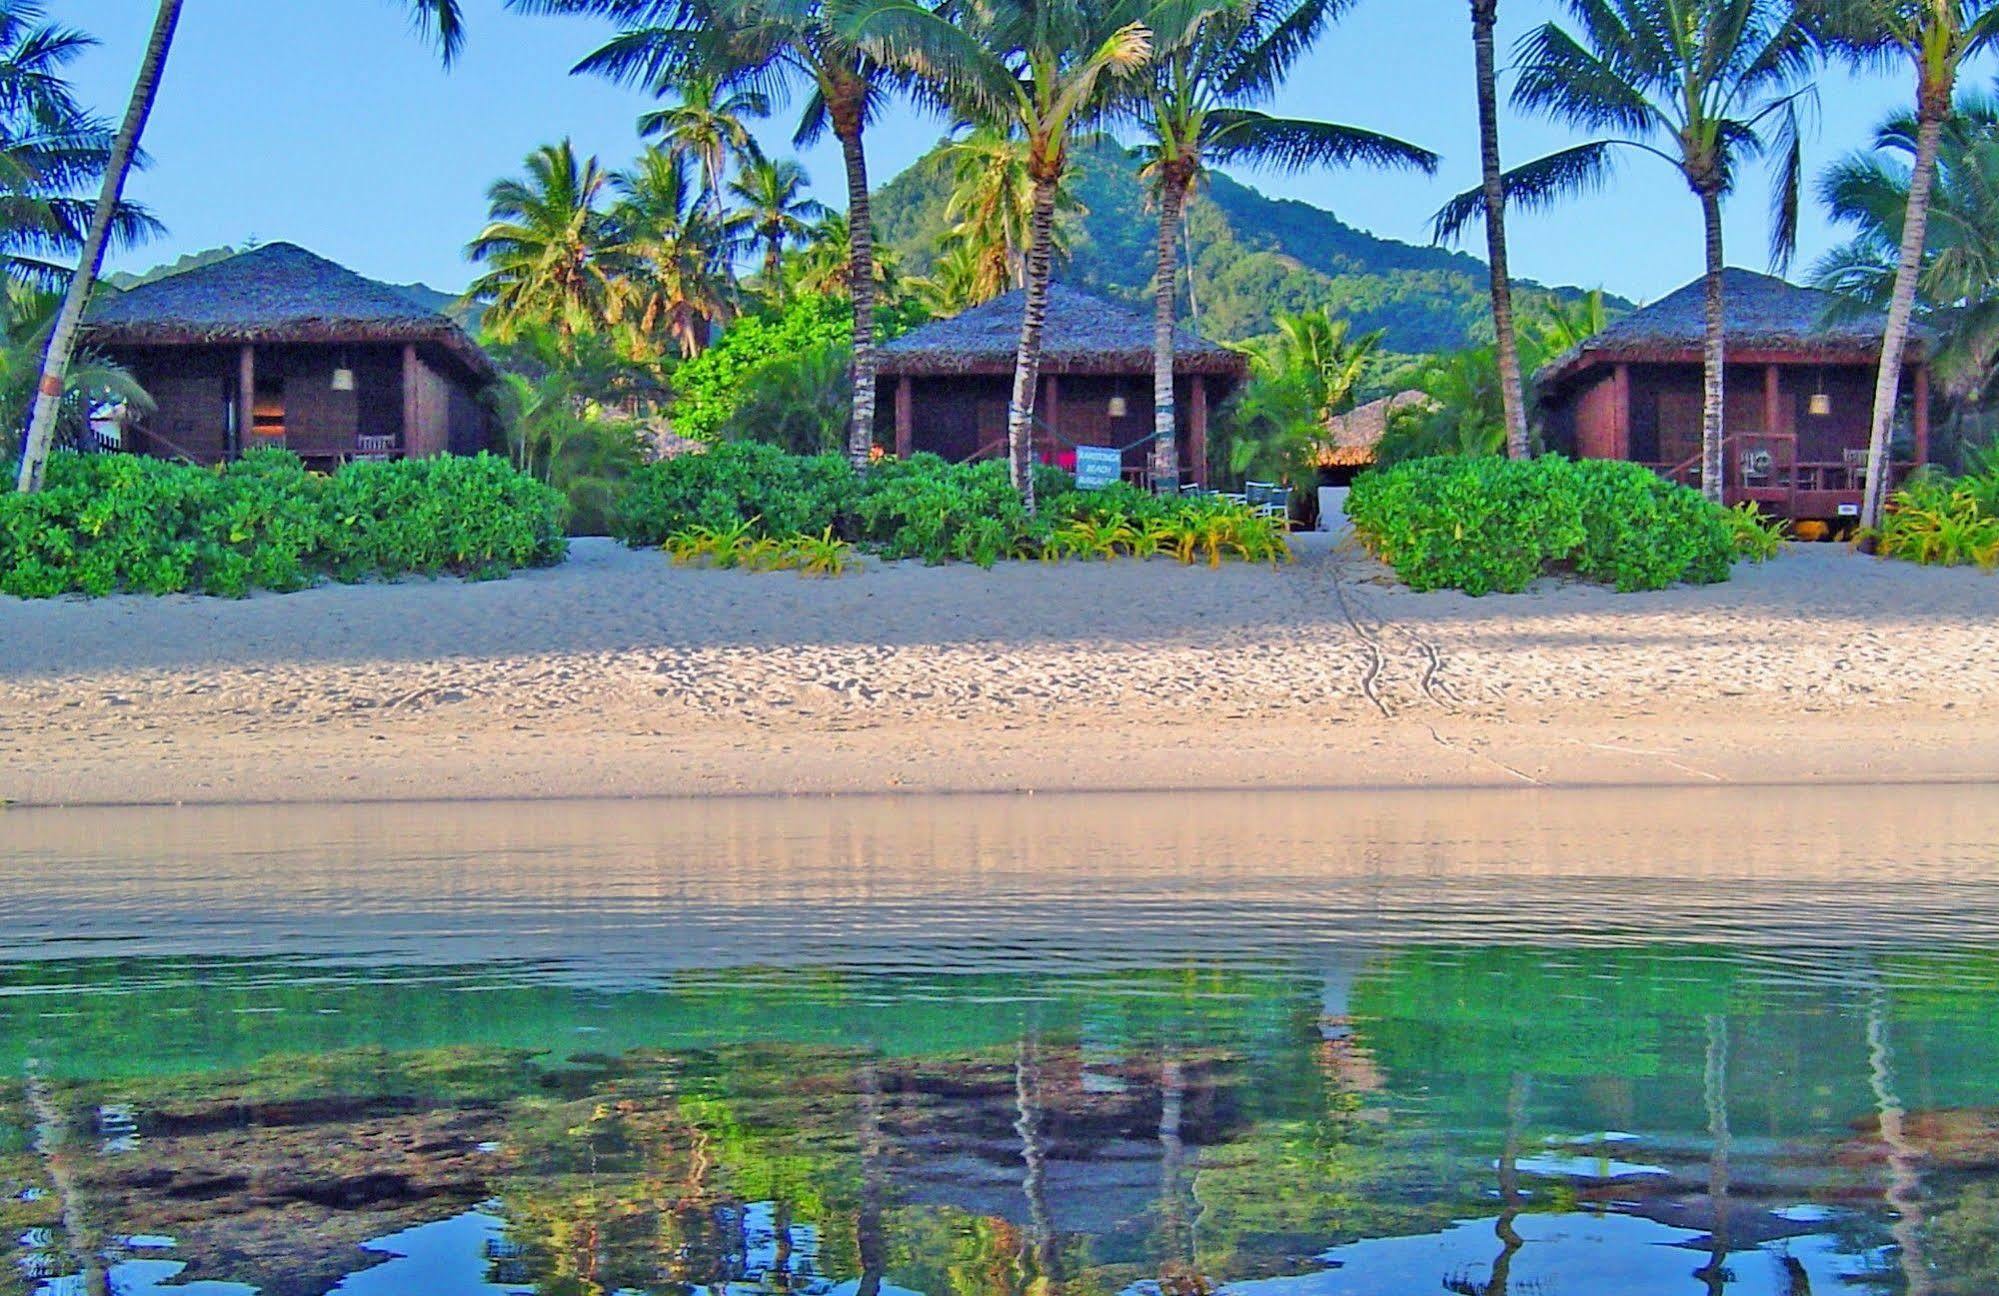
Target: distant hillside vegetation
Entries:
(1254, 257)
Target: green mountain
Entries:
(1254, 257)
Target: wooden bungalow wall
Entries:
(196, 389)
(1652, 413)
(958, 416)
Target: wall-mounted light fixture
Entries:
(1820, 404)
(343, 377)
(1120, 407)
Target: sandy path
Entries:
(620, 674)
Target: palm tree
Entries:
(1707, 86)
(1046, 69)
(441, 18)
(1322, 350)
(775, 208)
(824, 266)
(50, 148)
(1958, 281)
(769, 45)
(545, 245)
(676, 257)
(1198, 112)
(709, 124)
(991, 208)
(1492, 189)
(1939, 37)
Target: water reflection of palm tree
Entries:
(870, 1243)
(1178, 1271)
(1511, 1201)
(1905, 1185)
(1714, 1086)
(1034, 1157)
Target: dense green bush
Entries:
(708, 388)
(1942, 521)
(920, 508)
(1485, 524)
(106, 523)
(783, 494)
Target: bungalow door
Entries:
(1680, 414)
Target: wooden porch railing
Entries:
(1764, 466)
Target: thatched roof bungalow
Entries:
(279, 347)
(1799, 394)
(953, 382)
(1352, 439)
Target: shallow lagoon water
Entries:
(1738, 1040)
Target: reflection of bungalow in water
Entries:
(278, 347)
(1799, 396)
(947, 385)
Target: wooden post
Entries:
(1773, 388)
(1197, 432)
(1921, 382)
(905, 417)
(1053, 421)
(1620, 411)
(246, 403)
(412, 411)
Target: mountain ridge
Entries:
(1254, 256)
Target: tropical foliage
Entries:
(1491, 525)
(718, 506)
(106, 523)
(1958, 281)
(1945, 521)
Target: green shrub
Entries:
(785, 494)
(106, 523)
(708, 388)
(1941, 521)
(1485, 525)
(717, 506)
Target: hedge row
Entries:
(1485, 525)
(106, 523)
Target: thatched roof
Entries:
(1084, 335)
(1761, 315)
(276, 293)
(1352, 438)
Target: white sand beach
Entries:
(619, 674)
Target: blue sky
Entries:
(325, 123)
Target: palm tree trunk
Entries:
(1165, 416)
(1512, 399)
(1901, 308)
(62, 342)
(1027, 366)
(848, 125)
(1713, 411)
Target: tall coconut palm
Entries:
(769, 45)
(1492, 190)
(711, 124)
(1706, 85)
(545, 245)
(774, 207)
(1958, 282)
(442, 19)
(1199, 111)
(674, 257)
(1937, 37)
(991, 208)
(1046, 69)
(50, 149)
